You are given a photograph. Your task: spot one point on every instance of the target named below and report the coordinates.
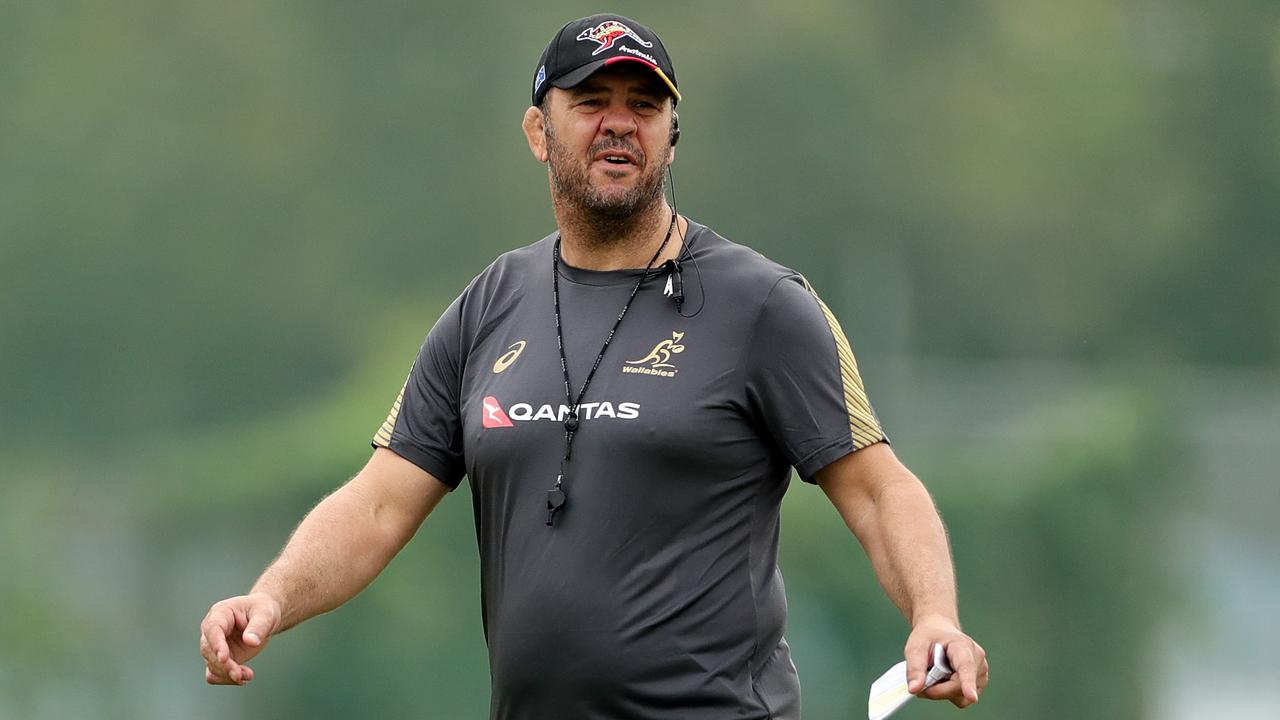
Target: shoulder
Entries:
(503, 282)
(511, 270)
(498, 288)
(741, 275)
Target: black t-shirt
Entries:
(656, 593)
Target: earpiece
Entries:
(675, 128)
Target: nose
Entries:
(618, 120)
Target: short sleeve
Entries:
(423, 426)
(802, 382)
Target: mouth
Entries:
(615, 158)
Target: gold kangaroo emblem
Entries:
(509, 357)
(660, 355)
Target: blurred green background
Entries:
(1050, 231)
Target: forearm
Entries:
(894, 518)
(907, 544)
(335, 552)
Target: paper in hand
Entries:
(889, 692)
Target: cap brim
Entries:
(573, 78)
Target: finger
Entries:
(213, 653)
(207, 653)
(917, 656)
(945, 690)
(217, 656)
(240, 617)
(216, 676)
(229, 671)
(216, 625)
(960, 653)
(984, 670)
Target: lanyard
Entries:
(556, 496)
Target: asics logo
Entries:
(509, 357)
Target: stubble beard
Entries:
(608, 216)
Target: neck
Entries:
(592, 242)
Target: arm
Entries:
(894, 518)
(337, 550)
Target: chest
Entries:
(664, 386)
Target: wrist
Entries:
(935, 617)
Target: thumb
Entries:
(262, 622)
(917, 664)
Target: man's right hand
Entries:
(233, 632)
(346, 540)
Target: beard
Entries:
(605, 211)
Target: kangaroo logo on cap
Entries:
(607, 32)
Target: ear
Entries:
(534, 126)
(675, 123)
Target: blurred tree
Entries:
(225, 228)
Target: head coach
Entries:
(627, 398)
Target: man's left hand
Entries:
(967, 659)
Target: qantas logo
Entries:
(493, 416)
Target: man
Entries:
(626, 397)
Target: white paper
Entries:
(889, 691)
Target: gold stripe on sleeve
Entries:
(382, 438)
(863, 425)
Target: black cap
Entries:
(584, 46)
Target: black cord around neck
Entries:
(702, 291)
(556, 496)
